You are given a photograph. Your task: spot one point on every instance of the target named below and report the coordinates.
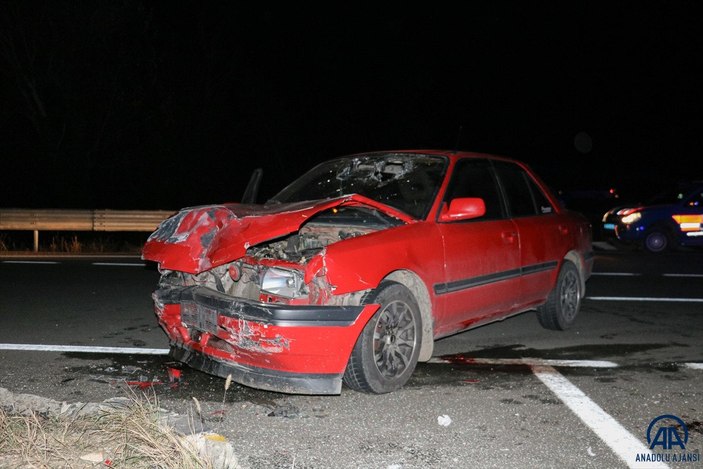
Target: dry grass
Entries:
(4, 242)
(71, 245)
(131, 437)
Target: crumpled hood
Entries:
(199, 238)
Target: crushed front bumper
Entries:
(296, 349)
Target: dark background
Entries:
(160, 105)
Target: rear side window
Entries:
(523, 196)
(474, 178)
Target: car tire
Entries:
(657, 240)
(564, 302)
(386, 352)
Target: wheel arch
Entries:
(575, 258)
(417, 287)
(665, 226)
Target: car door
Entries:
(482, 255)
(544, 235)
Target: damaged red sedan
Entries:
(351, 272)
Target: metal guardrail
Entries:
(80, 220)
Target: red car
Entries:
(352, 271)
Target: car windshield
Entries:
(405, 181)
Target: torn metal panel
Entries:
(199, 238)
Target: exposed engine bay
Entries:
(273, 271)
(324, 229)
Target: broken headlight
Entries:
(283, 282)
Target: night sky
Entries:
(160, 105)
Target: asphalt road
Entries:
(510, 394)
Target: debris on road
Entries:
(157, 438)
(444, 420)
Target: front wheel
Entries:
(564, 302)
(656, 240)
(387, 349)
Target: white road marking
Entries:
(84, 349)
(121, 264)
(683, 275)
(527, 361)
(622, 442)
(615, 274)
(604, 245)
(458, 360)
(469, 361)
(29, 262)
(644, 298)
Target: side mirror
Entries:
(463, 208)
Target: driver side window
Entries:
(475, 178)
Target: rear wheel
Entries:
(387, 349)
(564, 302)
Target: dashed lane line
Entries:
(30, 262)
(615, 274)
(645, 298)
(604, 246)
(639, 274)
(526, 361)
(84, 349)
(119, 264)
(101, 264)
